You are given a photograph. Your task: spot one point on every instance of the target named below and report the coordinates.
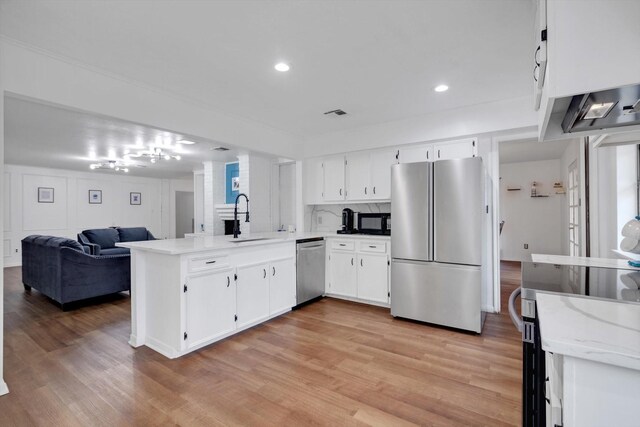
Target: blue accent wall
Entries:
(232, 170)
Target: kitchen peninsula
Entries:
(188, 293)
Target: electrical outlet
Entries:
(526, 246)
(16, 250)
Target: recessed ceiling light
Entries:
(186, 142)
(441, 88)
(281, 66)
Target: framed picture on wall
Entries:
(95, 197)
(235, 183)
(45, 195)
(135, 198)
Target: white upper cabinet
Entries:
(359, 176)
(416, 153)
(381, 162)
(314, 181)
(334, 178)
(455, 149)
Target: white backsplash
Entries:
(329, 217)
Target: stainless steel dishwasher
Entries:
(310, 269)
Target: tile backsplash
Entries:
(329, 217)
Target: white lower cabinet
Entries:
(359, 269)
(252, 293)
(373, 284)
(282, 285)
(342, 273)
(210, 302)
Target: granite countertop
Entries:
(597, 330)
(207, 242)
(619, 264)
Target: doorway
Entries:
(184, 213)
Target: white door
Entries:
(334, 178)
(342, 273)
(574, 210)
(372, 277)
(252, 295)
(358, 174)
(282, 285)
(210, 306)
(416, 153)
(455, 150)
(381, 162)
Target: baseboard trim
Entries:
(3, 388)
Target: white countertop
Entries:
(598, 330)
(207, 242)
(620, 264)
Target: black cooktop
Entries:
(605, 283)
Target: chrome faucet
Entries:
(236, 224)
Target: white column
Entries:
(3, 385)
(243, 166)
(214, 176)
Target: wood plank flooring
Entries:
(330, 363)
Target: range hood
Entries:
(602, 110)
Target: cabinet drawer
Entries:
(377, 247)
(343, 245)
(201, 263)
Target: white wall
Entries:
(198, 201)
(3, 385)
(534, 221)
(260, 194)
(71, 212)
(287, 195)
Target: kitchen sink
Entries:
(249, 240)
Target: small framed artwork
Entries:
(135, 198)
(235, 183)
(45, 195)
(95, 197)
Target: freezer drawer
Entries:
(443, 294)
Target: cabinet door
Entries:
(416, 153)
(334, 178)
(314, 181)
(342, 273)
(381, 162)
(456, 150)
(282, 285)
(210, 306)
(358, 176)
(373, 277)
(252, 295)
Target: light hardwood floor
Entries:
(330, 363)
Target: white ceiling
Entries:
(49, 136)
(377, 60)
(531, 150)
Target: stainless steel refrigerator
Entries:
(438, 210)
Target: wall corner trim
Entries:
(3, 388)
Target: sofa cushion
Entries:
(105, 237)
(114, 251)
(56, 242)
(133, 234)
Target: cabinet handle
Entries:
(351, 261)
(274, 271)
(374, 190)
(372, 246)
(210, 262)
(427, 154)
(343, 244)
(264, 270)
(228, 281)
(341, 191)
(438, 153)
(361, 263)
(365, 191)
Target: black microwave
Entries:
(374, 223)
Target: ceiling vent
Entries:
(337, 112)
(220, 149)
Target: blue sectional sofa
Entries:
(102, 241)
(63, 270)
